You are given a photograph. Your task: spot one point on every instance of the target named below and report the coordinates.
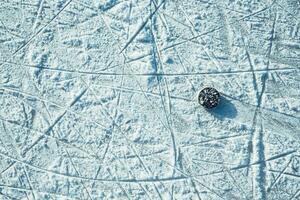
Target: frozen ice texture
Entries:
(98, 99)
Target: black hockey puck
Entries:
(209, 97)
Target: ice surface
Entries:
(98, 99)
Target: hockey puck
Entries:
(209, 97)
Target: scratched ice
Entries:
(98, 99)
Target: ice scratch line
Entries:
(141, 27)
